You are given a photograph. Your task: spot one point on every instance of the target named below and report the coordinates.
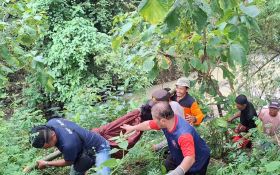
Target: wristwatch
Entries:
(47, 164)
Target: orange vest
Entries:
(190, 107)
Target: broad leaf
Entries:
(232, 31)
(116, 42)
(148, 64)
(227, 73)
(237, 53)
(172, 20)
(195, 62)
(251, 11)
(164, 62)
(153, 73)
(123, 145)
(148, 33)
(154, 11)
(200, 18)
(125, 28)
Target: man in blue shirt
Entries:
(81, 148)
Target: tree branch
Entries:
(259, 69)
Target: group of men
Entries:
(175, 115)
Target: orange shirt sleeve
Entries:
(195, 111)
(186, 144)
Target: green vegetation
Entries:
(83, 59)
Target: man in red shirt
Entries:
(189, 154)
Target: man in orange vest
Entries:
(192, 111)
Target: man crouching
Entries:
(81, 148)
(189, 154)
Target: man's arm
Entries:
(56, 163)
(144, 126)
(197, 113)
(186, 144)
(237, 115)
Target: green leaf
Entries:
(26, 40)
(227, 73)
(237, 53)
(195, 62)
(252, 23)
(116, 42)
(172, 20)
(125, 28)
(6, 69)
(243, 37)
(221, 122)
(123, 145)
(272, 166)
(216, 7)
(227, 4)
(4, 52)
(171, 51)
(251, 11)
(200, 18)
(148, 33)
(111, 163)
(46, 80)
(2, 25)
(154, 11)
(212, 51)
(148, 64)
(153, 73)
(163, 62)
(232, 30)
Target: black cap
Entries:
(39, 136)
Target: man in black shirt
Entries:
(246, 113)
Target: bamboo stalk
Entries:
(49, 157)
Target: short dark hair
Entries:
(241, 99)
(162, 109)
(146, 112)
(39, 135)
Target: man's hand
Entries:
(128, 128)
(42, 164)
(190, 119)
(177, 171)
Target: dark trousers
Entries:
(170, 165)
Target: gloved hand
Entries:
(159, 146)
(177, 171)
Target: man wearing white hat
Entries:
(192, 111)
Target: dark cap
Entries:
(39, 136)
(159, 95)
(274, 104)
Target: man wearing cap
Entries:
(192, 112)
(270, 118)
(246, 113)
(189, 153)
(164, 95)
(79, 147)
